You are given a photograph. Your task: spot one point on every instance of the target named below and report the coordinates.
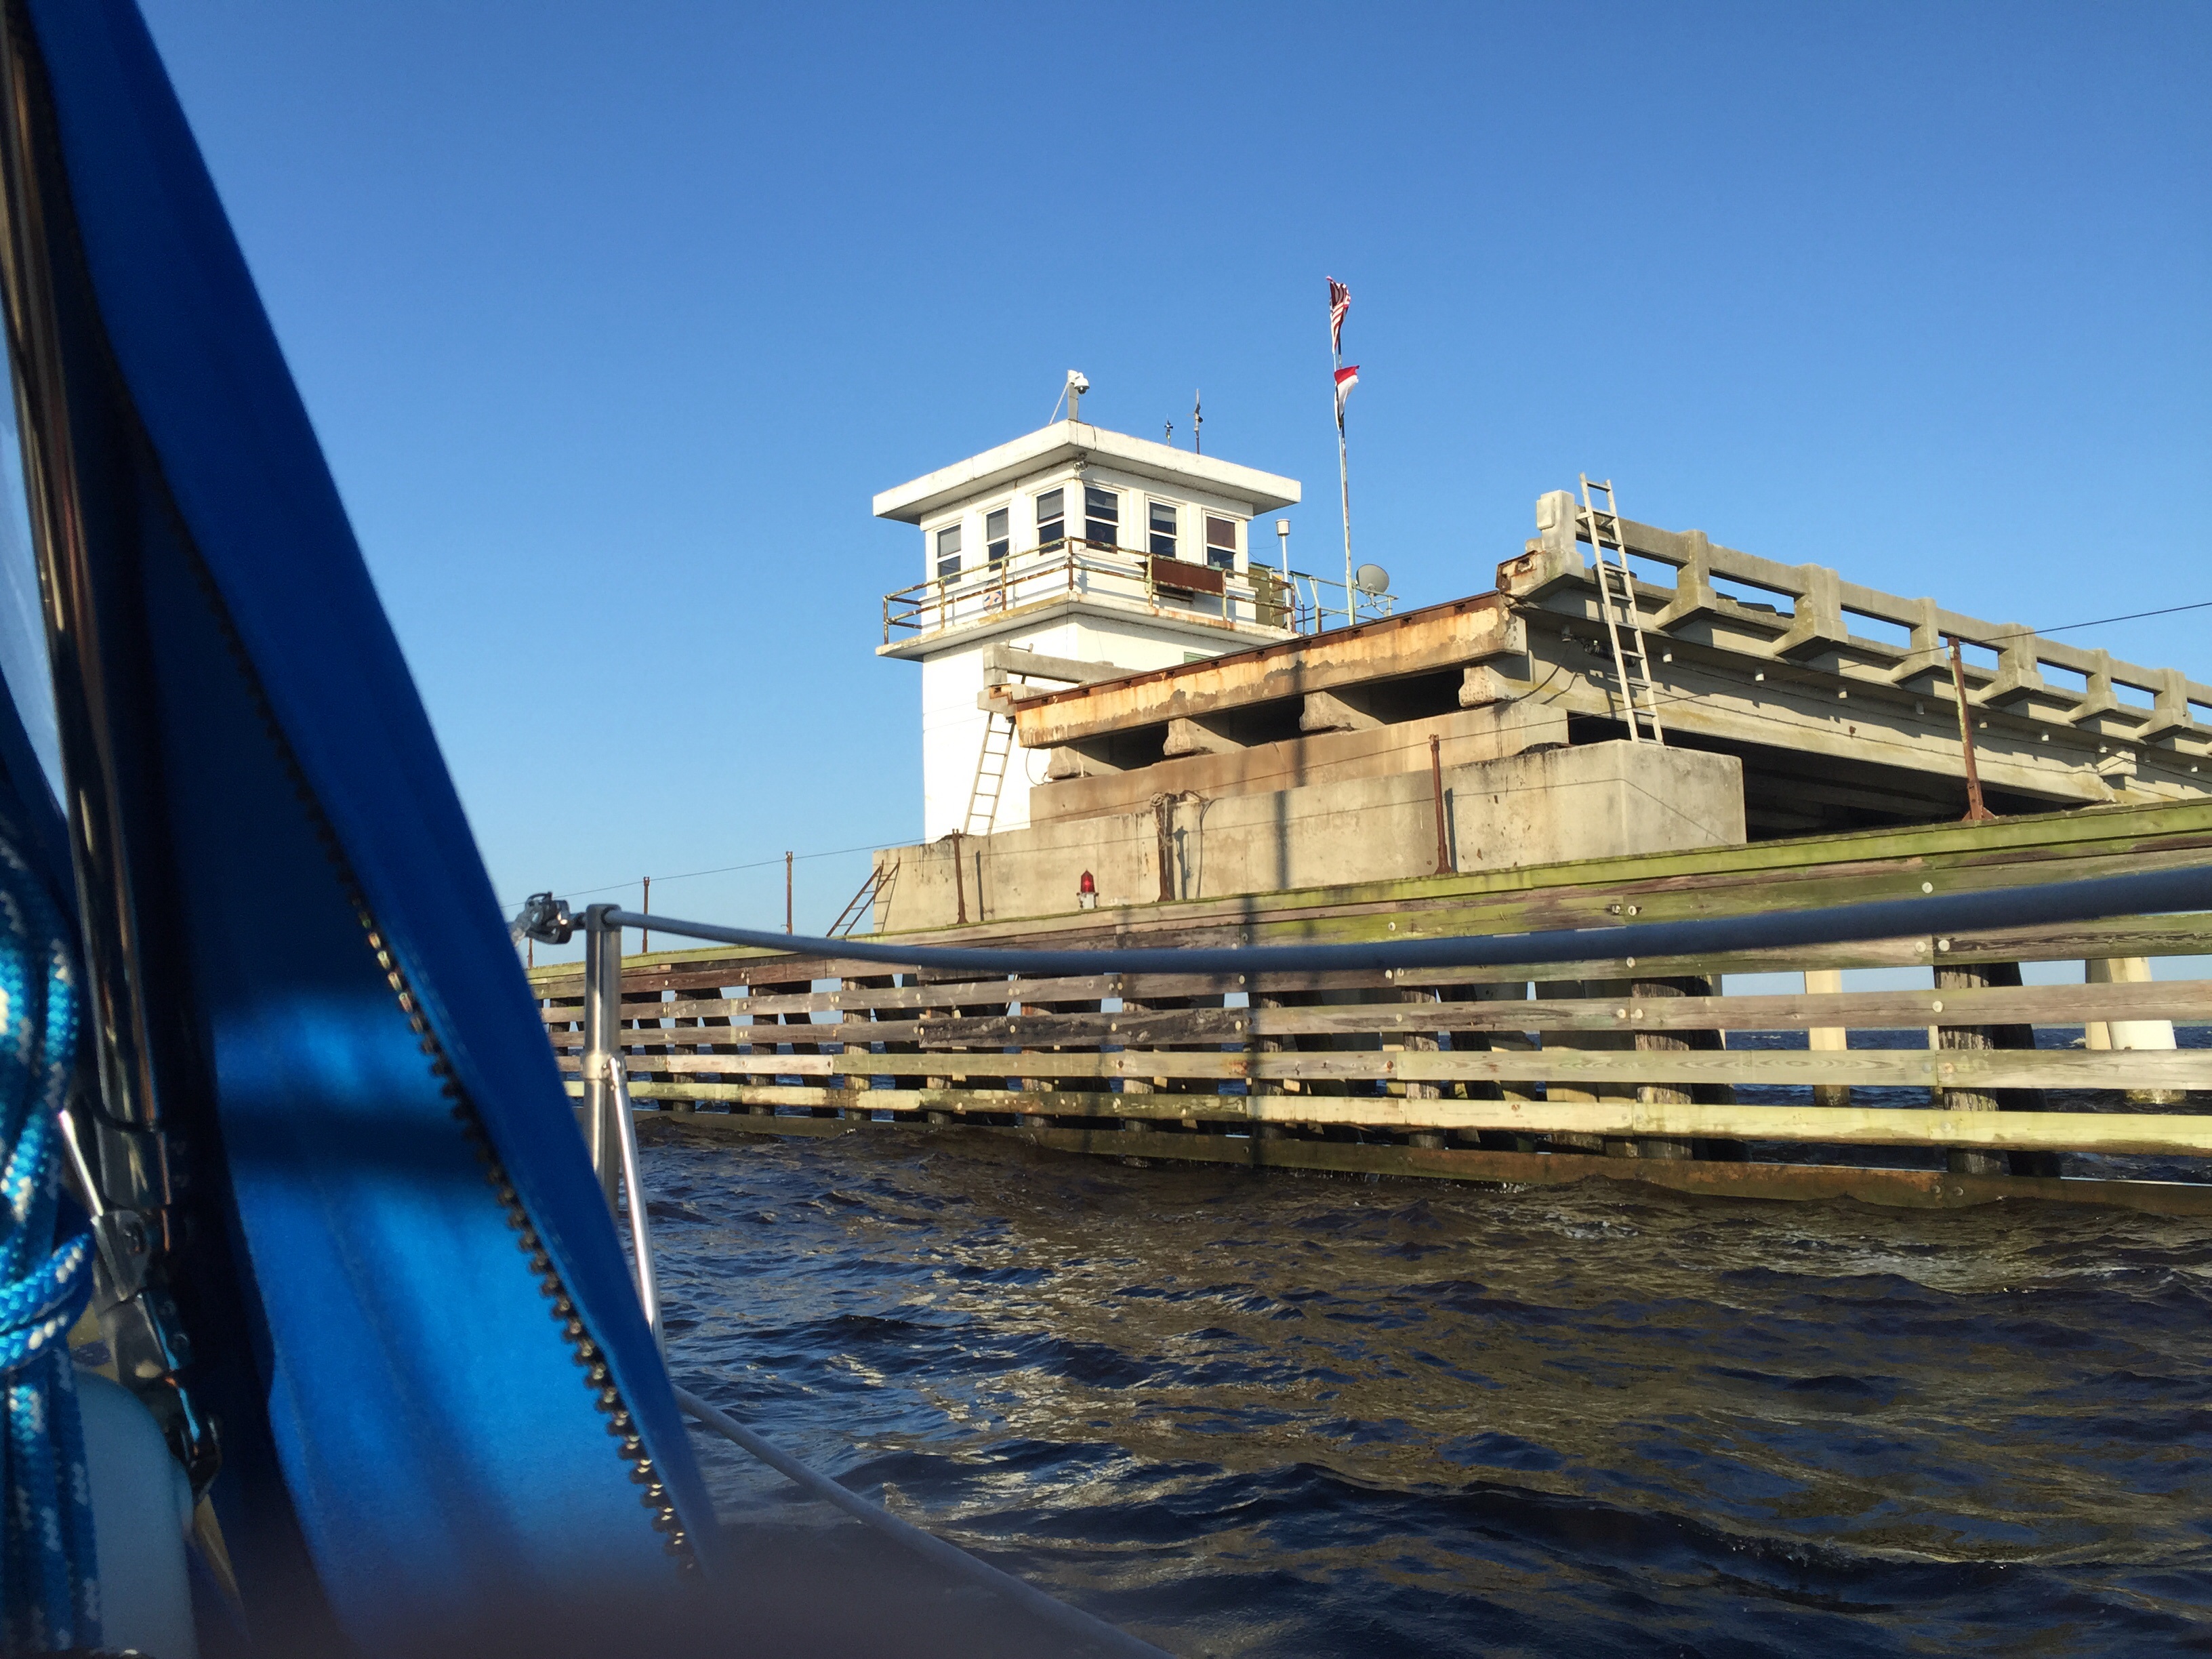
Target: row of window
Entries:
(1101, 522)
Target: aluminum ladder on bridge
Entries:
(998, 754)
(1624, 624)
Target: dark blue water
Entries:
(1273, 1414)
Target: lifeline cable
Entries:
(2150, 892)
(1072, 1621)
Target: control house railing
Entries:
(1258, 596)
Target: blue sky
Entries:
(612, 319)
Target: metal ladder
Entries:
(991, 766)
(855, 912)
(1616, 587)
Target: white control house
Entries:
(1071, 555)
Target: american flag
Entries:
(1346, 379)
(1340, 301)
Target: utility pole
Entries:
(644, 938)
(1976, 811)
(787, 892)
(1437, 790)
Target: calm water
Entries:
(1273, 1415)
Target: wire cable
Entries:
(2132, 616)
(723, 870)
(1073, 1621)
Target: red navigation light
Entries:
(1086, 886)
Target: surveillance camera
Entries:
(1078, 380)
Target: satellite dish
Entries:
(1372, 579)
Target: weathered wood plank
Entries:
(2118, 1069)
(2182, 1001)
(754, 1065)
(2151, 935)
(745, 1123)
(2111, 1133)
(2142, 936)
(2138, 936)
(1892, 1188)
(2039, 1068)
(1896, 1188)
(1864, 1067)
(1568, 909)
(2108, 1133)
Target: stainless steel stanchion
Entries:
(603, 1046)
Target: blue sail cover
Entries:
(424, 1429)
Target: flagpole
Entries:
(1343, 482)
(1343, 469)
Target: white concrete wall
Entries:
(1135, 646)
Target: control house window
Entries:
(1164, 524)
(948, 553)
(1101, 515)
(1052, 517)
(996, 541)
(1221, 543)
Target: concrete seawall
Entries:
(1541, 807)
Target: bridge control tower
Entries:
(1067, 556)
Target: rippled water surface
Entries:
(1273, 1414)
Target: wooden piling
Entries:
(1975, 1038)
(1643, 993)
(1827, 1039)
(1556, 1090)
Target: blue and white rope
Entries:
(49, 1578)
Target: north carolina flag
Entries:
(1346, 379)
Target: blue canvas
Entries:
(416, 1415)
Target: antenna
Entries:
(1282, 537)
(1170, 435)
(1197, 421)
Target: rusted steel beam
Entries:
(1435, 638)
